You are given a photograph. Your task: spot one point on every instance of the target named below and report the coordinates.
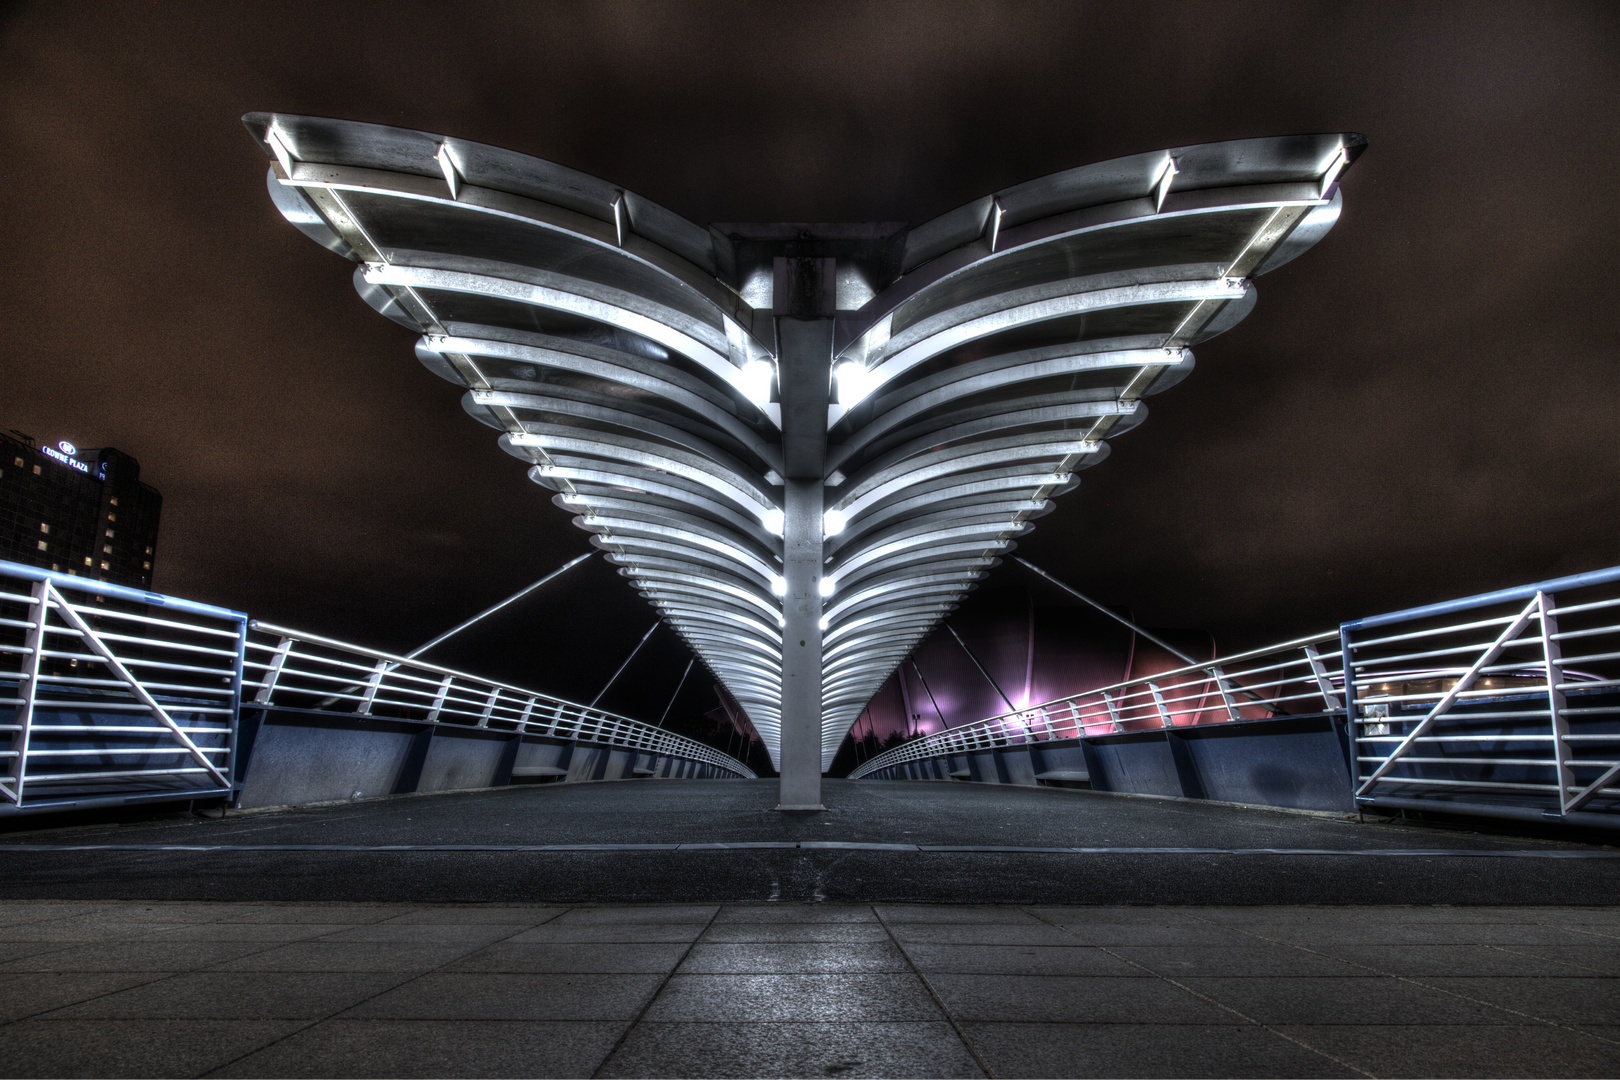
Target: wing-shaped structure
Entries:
(669, 383)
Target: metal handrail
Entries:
(364, 680)
(1443, 739)
(1273, 681)
(141, 677)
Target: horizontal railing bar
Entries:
(1519, 593)
(128, 751)
(48, 778)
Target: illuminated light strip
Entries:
(561, 300)
(1056, 307)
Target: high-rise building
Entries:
(75, 511)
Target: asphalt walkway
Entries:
(719, 841)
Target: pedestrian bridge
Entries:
(1501, 705)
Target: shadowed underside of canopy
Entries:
(978, 361)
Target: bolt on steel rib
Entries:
(803, 444)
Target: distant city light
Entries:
(67, 448)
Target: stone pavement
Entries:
(189, 988)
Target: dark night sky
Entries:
(1423, 406)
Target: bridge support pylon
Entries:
(805, 337)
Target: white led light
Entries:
(67, 448)
(826, 621)
(755, 382)
(833, 522)
(778, 584)
(828, 585)
(854, 383)
(775, 522)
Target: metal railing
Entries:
(1293, 678)
(1510, 699)
(291, 669)
(111, 694)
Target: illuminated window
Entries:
(106, 549)
(109, 534)
(113, 500)
(112, 517)
(88, 561)
(36, 469)
(149, 551)
(44, 528)
(104, 565)
(42, 546)
(146, 566)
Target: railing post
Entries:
(1158, 703)
(438, 699)
(28, 691)
(528, 711)
(1113, 711)
(1329, 699)
(1352, 723)
(372, 685)
(489, 707)
(278, 660)
(1226, 692)
(1552, 654)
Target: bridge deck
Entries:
(654, 841)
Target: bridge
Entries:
(804, 444)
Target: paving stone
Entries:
(596, 957)
(1149, 1050)
(849, 1049)
(1365, 999)
(642, 913)
(1146, 934)
(847, 932)
(207, 995)
(1256, 958)
(21, 950)
(795, 913)
(40, 993)
(504, 996)
(1585, 958)
(95, 1048)
(340, 914)
(326, 955)
(955, 913)
(141, 955)
(1464, 1050)
(781, 957)
(473, 914)
(433, 1048)
(622, 932)
(785, 998)
(474, 934)
(17, 912)
(268, 933)
(85, 930)
(1019, 960)
(1454, 960)
(980, 933)
(1370, 932)
(1071, 1000)
(1584, 1001)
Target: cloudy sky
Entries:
(1425, 405)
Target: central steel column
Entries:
(804, 340)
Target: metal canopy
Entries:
(636, 360)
